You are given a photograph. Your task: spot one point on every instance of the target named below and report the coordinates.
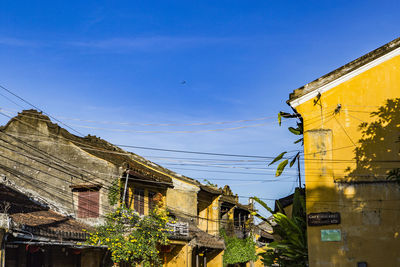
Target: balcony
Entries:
(178, 229)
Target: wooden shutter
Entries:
(139, 200)
(88, 204)
(152, 203)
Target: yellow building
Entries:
(75, 176)
(351, 122)
(194, 207)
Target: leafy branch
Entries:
(283, 162)
(290, 245)
(132, 238)
(238, 250)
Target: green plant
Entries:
(210, 183)
(238, 250)
(296, 131)
(132, 238)
(290, 247)
(114, 192)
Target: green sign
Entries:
(331, 235)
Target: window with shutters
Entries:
(88, 203)
(138, 201)
(152, 200)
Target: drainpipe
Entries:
(126, 185)
(207, 219)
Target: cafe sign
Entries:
(323, 218)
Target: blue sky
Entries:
(125, 61)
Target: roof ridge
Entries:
(343, 70)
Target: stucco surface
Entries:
(350, 144)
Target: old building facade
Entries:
(351, 154)
(75, 175)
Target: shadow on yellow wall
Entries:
(367, 200)
(378, 150)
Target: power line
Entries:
(12, 101)
(88, 148)
(217, 171)
(197, 152)
(161, 131)
(167, 124)
(172, 150)
(322, 201)
(202, 159)
(158, 124)
(30, 104)
(344, 130)
(157, 131)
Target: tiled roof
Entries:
(35, 217)
(204, 239)
(48, 220)
(211, 189)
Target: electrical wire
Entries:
(151, 124)
(30, 104)
(344, 130)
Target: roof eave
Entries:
(344, 73)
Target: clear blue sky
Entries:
(125, 61)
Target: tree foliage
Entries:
(114, 192)
(238, 250)
(132, 238)
(290, 246)
(296, 131)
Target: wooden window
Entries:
(88, 204)
(138, 201)
(152, 201)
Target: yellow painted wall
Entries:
(370, 213)
(181, 255)
(215, 258)
(259, 263)
(227, 222)
(183, 197)
(131, 188)
(208, 220)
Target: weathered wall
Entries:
(179, 256)
(227, 222)
(215, 258)
(209, 210)
(44, 164)
(183, 197)
(346, 168)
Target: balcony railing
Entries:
(178, 228)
